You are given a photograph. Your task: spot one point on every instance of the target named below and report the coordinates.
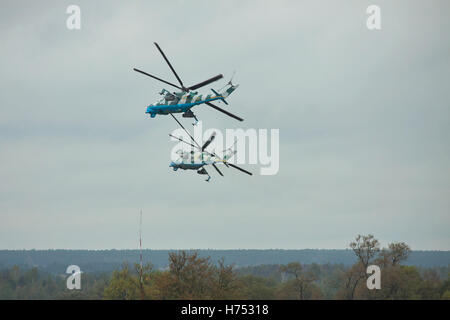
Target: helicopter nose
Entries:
(174, 166)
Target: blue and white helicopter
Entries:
(184, 100)
(197, 160)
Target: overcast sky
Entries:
(364, 120)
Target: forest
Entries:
(189, 275)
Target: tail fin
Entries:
(230, 152)
(228, 90)
(226, 93)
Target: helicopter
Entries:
(197, 160)
(183, 101)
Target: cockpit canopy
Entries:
(169, 97)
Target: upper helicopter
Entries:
(182, 101)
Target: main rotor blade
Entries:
(224, 111)
(192, 138)
(167, 82)
(204, 83)
(173, 70)
(215, 155)
(208, 142)
(217, 169)
(240, 169)
(181, 140)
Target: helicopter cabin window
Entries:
(169, 97)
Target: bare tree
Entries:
(302, 279)
(365, 248)
(352, 278)
(399, 251)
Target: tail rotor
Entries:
(229, 83)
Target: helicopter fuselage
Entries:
(178, 103)
(186, 166)
(193, 161)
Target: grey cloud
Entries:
(363, 119)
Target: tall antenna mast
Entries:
(140, 255)
(140, 239)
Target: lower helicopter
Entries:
(199, 159)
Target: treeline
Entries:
(56, 261)
(191, 276)
(33, 284)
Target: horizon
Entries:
(205, 249)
